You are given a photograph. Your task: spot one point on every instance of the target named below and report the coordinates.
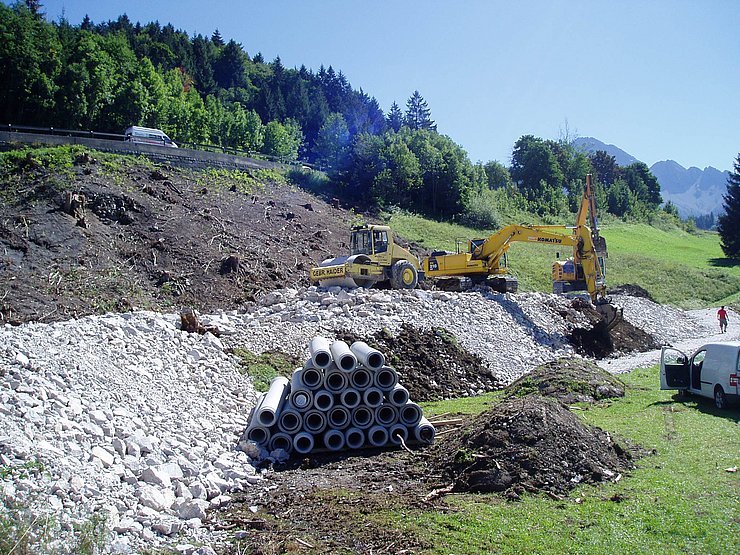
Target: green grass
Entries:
(679, 499)
(264, 367)
(676, 267)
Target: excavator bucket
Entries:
(611, 314)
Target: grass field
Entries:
(676, 267)
(680, 499)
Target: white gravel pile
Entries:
(127, 415)
(131, 416)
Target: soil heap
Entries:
(570, 380)
(529, 444)
(430, 363)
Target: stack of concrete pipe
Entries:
(344, 397)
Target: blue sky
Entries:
(657, 78)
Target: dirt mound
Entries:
(528, 444)
(595, 340)
(632, 290)
(569, 380)
(430, 363)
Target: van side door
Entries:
(674, 369)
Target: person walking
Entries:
(722, 317)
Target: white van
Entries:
(711, 371)
(148, 136)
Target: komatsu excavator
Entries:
(375, 258)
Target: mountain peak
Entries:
(590, 145)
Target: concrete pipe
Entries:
(314, 421)
(354, 438)
(258, 434)
(362, 417)
(424, 432)
(386, 378)
(399, 396)
(267, 413)
(410, 414)
(343, 357)
(312, 378)
(373, 397)
(335, 380)
(350, 398)
(339, 417)
(334, 440)
(370, 358)
(290, 421)
(301, 399)
(398, 430)
(320, 350)
(360, 378)
(303, 443)
(386, 414)
(377, 436)
(323, 400)
(281, 441)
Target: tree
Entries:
(283, 140)
(497, 176)
(216, 39)
(332, 144)
(644, 184)
(230, 65)
(605, 167)
(728, 224)
(532, 164)
(395, 117)
(418, 114)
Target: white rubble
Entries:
(126, 414)
(121, 418)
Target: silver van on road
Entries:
(712, 371)
(148, 136)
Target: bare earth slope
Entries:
(154, 238)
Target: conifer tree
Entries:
(728, 224)
(418, 114)
(395, 117)
(217, 39)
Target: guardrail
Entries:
(59, 132)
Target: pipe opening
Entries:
(360, 378)
(355, 438)
(311, 377)
(314, 421)
(303, 443)
(386, 415)
(266, 417)
(281, 441)
(410, 414)
(290, 421)
(397, 433)
(350, 398)
(335, 381)
(362, 417)
(339, 417)
(323, 400)
(258, 434)
(373, 397)
(386, 379)
(378, 436)
(375, 360)
(334, 440)
(300, 399)
(399, 396)
(322, 359)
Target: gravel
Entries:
(127, 414)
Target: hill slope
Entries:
(149, 236)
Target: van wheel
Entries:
(720, 400)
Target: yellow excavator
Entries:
(376, 258)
